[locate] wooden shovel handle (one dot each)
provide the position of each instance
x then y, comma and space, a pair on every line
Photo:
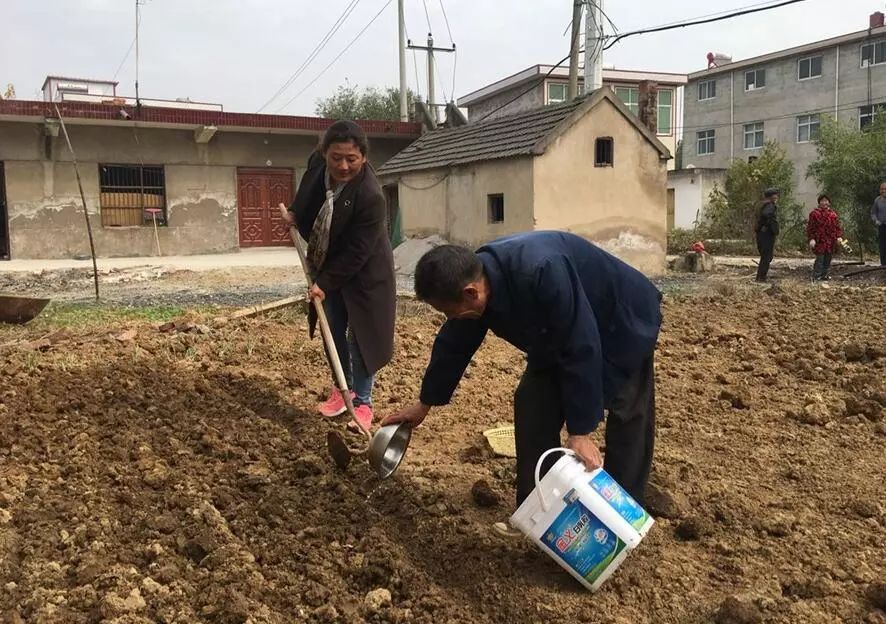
327, 335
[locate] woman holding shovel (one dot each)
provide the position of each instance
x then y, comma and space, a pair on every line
340, 210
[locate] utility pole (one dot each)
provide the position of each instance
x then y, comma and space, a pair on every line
430, 49
138, 103
573, 49
401, 23
594, 46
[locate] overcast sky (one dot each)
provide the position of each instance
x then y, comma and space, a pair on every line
240, 53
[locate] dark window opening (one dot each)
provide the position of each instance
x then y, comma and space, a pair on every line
603, 152
496, 205
132, 195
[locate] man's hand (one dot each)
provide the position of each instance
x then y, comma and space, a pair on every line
285, 214
812, 244
414, 415
315, 292
586, 450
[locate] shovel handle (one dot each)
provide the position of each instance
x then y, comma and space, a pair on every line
327, 335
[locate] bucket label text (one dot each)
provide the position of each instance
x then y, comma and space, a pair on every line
619, 500
582, 541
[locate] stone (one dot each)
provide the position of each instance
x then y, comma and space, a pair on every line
815, 414
735, 610
854, 352
377, 599
736, 398
484, 495
663, 504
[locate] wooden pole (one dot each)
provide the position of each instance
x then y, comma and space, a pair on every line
82, 199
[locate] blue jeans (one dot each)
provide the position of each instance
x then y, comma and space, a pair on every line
358, 378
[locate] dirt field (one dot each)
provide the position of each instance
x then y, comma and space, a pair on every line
181, 477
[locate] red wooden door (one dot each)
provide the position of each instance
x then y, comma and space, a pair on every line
259, 191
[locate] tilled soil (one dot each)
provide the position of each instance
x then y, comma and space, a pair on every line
182, 477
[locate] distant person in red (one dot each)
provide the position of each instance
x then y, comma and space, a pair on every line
823, 231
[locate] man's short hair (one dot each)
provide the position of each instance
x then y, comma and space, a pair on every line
443, 272
770, 192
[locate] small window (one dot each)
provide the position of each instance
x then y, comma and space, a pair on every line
630, 97
496, 206
707, 90
753, 135
807, 128
809, 67
754, 79
873, 53
557, 92
603, 152
132, 195
706, 142
868, 114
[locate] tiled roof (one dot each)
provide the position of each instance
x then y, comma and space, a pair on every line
522, 134
502, 137
194, 117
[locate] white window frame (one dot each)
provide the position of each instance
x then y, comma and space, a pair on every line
756, 72
549, 100
811, 59
699, 139
754, 131
631, 92
670, 116
711, 86
873, 45
812, 123
876, 109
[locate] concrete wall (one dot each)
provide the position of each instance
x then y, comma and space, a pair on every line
455, 203
622, 208
45, 213
692, 190
778, 105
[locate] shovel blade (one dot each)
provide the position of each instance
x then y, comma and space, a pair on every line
338, 450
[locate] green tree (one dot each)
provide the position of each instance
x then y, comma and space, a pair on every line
850, 165
351, 102
732, 209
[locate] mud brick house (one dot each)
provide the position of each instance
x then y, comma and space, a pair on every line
588, 166
211, 178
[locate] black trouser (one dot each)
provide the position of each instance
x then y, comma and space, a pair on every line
882, 233
630, 428
822, 266
766, 247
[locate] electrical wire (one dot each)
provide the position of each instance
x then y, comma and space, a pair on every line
452, 43
414, 64
427, 16
340, 54
615, 39
592, 4
125, 56
446, 19
317, 49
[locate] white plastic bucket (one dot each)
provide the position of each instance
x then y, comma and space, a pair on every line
584, 520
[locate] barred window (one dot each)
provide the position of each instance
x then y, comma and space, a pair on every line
130, 195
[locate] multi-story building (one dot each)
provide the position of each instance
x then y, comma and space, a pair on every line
732, 109
541, 85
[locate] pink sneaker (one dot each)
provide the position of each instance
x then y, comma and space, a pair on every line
363, 414
334, 405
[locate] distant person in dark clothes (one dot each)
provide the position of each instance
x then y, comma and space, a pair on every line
766, 229
878, 216
354, 272
588, 323
824, 233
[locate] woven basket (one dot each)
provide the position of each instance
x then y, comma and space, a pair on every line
501, 440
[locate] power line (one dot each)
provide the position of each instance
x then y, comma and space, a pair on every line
317, 49
427, 16
340, 54
724, 12
645, 31
125, 56
446, 19
814, 111
529, 88
592, 4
